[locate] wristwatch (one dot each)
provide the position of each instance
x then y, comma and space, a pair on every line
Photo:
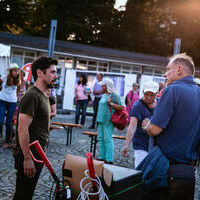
111, 103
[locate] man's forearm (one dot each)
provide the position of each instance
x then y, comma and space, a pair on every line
129, 135
24, 141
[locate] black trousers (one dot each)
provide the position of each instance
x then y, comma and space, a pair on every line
25, 186
95, 108
181, 185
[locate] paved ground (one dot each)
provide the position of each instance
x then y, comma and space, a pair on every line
56, 154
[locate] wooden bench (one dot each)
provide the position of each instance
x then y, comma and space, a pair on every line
55, 128
68, 127
93, 143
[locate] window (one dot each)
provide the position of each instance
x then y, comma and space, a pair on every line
103, 64
81, 64
136, 69
17, 59
69, 63
92, 63
101, 69
17, 52
28, 60
84, 62
126, 67
30, 54
158, 72
92, 68
148, 71
115, 68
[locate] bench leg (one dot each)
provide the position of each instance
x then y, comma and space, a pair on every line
70, 135
67, 132
93, 145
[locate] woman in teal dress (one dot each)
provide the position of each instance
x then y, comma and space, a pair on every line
109, 102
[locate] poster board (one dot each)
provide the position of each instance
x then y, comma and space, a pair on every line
122, 83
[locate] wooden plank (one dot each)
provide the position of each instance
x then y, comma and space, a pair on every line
55, 127
121, 137
66, 124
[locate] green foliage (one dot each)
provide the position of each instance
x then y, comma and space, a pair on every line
146, 26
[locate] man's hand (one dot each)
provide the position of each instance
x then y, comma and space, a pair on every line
125, 151
145, 123
29, 168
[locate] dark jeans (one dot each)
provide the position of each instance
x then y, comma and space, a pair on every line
95, 108
181, 186
25, 186
81, 105
10, 108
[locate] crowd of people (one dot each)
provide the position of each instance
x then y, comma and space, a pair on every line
155, 120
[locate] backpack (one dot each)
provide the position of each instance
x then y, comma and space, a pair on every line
126, 98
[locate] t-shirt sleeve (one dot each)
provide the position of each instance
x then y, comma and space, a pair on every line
29, 104
164, 109
135, 111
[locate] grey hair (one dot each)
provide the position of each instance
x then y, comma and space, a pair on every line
184, 60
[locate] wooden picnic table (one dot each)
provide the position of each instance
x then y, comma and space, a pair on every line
68, 127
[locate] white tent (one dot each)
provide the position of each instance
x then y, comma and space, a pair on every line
4, 58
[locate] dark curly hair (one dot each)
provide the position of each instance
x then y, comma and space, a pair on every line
42, 63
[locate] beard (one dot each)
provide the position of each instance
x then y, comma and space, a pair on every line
51, 85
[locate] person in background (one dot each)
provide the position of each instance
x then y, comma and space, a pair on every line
24, 85
52, 101
142, 109
98, 93
8, 101
81, 98
109, 102
21, 89
176, 126
161, 89
132, 97
33, 124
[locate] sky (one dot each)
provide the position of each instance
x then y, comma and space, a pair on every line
119, 3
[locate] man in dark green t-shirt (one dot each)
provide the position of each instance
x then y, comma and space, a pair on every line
33, 124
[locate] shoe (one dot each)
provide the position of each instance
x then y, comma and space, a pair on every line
108, 162
91, 127
5, 145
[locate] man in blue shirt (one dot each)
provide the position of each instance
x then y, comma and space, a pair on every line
142, 109
98, 93
176, 125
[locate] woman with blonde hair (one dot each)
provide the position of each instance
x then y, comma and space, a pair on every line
8, 100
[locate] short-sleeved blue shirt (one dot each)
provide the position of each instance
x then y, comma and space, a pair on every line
140, 139
178, 113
